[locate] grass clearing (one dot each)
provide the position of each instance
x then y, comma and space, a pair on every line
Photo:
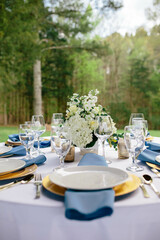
7, 130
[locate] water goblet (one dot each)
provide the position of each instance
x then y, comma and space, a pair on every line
61, 144
134, 139
57, 121
34, 151
138, 116
141, 122
103, 131
26, 136
144, 125
38, 126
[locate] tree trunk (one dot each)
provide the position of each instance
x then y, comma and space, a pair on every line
37, 84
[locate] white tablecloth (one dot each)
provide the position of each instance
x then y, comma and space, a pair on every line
22, 217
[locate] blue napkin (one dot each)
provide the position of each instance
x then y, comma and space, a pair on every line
89, 205
153, 146
16, 151
14, 137
149, 156
43, 144
38, 160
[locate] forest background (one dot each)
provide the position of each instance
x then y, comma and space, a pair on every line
48, 52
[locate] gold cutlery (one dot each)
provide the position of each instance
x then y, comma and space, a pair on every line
25, 180
155, 171
148, 180
145, 193
38, 183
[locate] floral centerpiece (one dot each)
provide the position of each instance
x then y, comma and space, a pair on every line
80, 119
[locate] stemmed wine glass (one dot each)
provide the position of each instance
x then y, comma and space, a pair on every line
26, 136
134, 138
61, 144
138, 116
104, 130
38, 126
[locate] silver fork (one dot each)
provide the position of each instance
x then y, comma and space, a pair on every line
38, 183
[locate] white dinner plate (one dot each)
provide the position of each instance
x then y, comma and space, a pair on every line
10, 164
88, 177
4, 149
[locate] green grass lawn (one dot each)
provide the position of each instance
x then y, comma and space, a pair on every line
154, 133
5, 131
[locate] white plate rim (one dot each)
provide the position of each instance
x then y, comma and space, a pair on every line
10, 141
92, 168
7, 149
11, 168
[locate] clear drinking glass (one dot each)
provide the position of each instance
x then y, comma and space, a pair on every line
133, 116
56, 124
33, 150
144, 125
103, 131
141, 122
134, 139
57, 121
26, 136
39, 127
61, 144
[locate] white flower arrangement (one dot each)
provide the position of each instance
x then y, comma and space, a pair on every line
80, 119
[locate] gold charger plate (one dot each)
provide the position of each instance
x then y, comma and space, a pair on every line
152, 165
129, 186
10, 143
20, 173
6, 156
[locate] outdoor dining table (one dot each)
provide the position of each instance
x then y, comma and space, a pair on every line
23, 217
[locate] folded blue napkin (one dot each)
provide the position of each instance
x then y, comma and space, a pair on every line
153, 146
43, 144
14, 137
38, 160
16, 151
89, 205
149, 156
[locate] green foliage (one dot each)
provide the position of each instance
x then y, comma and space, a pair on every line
113, 140
126, 70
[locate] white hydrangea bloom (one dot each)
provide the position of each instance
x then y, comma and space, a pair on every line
79, 131
81, 115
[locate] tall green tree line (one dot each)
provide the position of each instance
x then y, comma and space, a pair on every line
52, 45
32, 35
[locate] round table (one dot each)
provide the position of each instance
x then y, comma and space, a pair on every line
23, 217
